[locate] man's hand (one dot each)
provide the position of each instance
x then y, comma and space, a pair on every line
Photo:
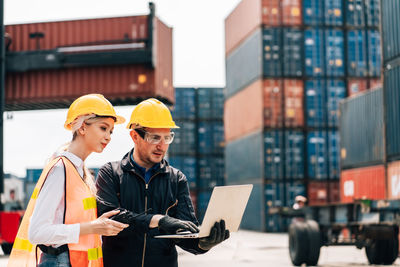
218, 234
171, 225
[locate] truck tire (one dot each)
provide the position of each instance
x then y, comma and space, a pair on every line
314, 241
391, 251
382, 251
298, 241
6, 247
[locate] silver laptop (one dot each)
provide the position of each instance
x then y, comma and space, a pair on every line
227, 203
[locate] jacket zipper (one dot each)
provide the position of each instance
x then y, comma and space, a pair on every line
170, 207
145, 209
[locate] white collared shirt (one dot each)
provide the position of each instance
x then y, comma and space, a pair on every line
46, 225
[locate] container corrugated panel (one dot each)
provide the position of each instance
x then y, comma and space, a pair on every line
334, 52
334, 154
185, 138
374, 53
294, 154
185, 104
187, 165
336, 91
254, 214
333, 13
317, 155
274, 197
375, 83
217, 104
33, 175
363, 183
204, 99
294, 188
114, 82
355, 86
357, 53
244, 64
218, 170
314, 60
249, 117
205, 177
372, 11
205, 143
334, 192
313, 12
292, 52
77, 32
322, 192
355, 13
272, 43
244, 158
393, 180
293, 102
392, 111
316, 102
291, 12
273, 146
273, 103
218, 143
390, 21
361, 129
247, 16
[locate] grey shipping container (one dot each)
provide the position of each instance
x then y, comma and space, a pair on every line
390, 29
392, 111
244, 159
361, 129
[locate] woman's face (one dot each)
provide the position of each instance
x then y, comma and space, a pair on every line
98, 134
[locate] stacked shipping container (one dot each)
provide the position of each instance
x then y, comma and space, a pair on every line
199, 142
286, 72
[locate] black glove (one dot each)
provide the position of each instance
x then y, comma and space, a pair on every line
171, 225
124, 216
218, 233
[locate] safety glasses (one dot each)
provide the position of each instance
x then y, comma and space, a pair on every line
154, 138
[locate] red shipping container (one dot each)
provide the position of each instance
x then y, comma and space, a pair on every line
273, 97
375, 83
363, 183
243, 112
334, 191
323, 192
294, 110
393, 180
291, 13
246, 17
355, 86
120, 83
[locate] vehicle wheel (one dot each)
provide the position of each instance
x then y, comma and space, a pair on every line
314, 239
382, 251
298, 241
391, 251
6, 247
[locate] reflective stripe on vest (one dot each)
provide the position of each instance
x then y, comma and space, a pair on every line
80, 207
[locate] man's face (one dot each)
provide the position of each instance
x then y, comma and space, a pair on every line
150, 154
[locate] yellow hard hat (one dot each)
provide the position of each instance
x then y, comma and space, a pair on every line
151, 113
91, 104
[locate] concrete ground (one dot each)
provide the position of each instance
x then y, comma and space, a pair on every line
254, 249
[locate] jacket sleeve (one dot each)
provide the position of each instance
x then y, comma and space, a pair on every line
185, 211
108, 198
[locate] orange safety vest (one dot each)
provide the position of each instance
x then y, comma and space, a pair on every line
80, 206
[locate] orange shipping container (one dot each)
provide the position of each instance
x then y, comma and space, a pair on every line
375, 83
293, 93
273, 97
246, 17
291, 12
323, 192
355, 86
363, 183
393, 180
122, 83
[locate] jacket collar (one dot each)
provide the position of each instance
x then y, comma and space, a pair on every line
127, 164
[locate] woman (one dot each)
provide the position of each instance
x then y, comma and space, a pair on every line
61, 217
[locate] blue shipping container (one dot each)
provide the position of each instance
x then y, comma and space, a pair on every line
273, 145
33, 175
355, 13
317, 155
203, 198
185, 104
253, 217
390, 33
374, 53
334, 154
294, 188
187, 165
274, 197
316, 103
294, 154
204, 96
218, 137
272, 63
357, 53
217, 106
334, 52
336, 91
333, 13
292, 52
185, 138
313, 12
372, 10
205, 137
206, 180
314, 52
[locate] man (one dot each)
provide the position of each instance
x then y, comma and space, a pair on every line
13, 204
153, 196
299, 202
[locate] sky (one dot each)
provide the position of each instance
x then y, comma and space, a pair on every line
30, 137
